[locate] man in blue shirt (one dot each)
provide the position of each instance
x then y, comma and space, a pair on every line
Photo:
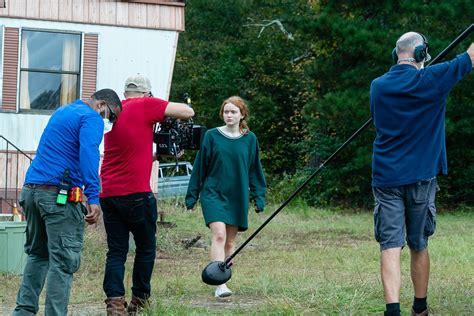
68, 153
408, 106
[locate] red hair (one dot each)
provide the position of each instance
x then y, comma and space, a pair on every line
244, 111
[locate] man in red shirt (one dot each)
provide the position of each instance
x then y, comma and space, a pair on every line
127, 202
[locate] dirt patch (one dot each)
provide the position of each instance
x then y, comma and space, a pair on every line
227, 303
93, 309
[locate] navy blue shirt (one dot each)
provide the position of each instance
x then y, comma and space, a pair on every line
70, 141
408, 108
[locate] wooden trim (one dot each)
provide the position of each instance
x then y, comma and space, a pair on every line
177, 3
10, 68
141, 14
89, 64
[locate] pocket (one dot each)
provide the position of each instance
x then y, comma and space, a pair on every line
151, 207
377, 222
70, 253
133, 208
47, 203
430, 224
421, 191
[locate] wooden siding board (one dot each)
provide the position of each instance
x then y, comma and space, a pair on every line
137, 15
10, 68
17, 7
32, 9
65, 9
49, 10
80, 9
94, 11
108, 12
167, 20
153, 16
122, 13
155, 2
179, 16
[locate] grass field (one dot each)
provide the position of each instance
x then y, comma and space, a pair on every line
307, 261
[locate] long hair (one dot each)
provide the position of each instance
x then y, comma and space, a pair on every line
244, 110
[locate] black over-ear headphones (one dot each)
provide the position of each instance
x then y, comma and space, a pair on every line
420, 54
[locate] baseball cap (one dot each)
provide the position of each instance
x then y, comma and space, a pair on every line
137, 83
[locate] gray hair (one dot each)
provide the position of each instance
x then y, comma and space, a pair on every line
407, 42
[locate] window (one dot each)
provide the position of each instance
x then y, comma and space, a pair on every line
49, 69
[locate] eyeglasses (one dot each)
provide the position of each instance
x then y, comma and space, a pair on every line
112, 115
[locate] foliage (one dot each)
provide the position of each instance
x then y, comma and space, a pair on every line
307, 82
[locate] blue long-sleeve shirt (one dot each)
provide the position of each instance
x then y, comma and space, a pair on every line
408, 108
71, 141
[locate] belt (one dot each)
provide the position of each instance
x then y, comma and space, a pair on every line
44, 187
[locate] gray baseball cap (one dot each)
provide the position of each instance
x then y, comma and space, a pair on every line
137, 83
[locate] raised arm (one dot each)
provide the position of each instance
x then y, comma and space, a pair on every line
179, 110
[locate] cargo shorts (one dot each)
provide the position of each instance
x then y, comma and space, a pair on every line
405, 212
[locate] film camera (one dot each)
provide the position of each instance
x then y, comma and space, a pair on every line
174, 135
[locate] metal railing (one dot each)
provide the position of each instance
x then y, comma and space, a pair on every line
11, 180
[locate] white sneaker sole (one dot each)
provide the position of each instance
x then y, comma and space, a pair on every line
223, 294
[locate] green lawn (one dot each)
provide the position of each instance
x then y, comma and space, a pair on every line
306, 261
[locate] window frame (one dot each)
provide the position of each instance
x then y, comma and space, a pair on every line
47, 71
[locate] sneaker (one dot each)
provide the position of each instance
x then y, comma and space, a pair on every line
222, 291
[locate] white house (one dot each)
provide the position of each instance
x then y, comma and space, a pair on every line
55, 51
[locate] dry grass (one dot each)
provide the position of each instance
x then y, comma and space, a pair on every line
306, 261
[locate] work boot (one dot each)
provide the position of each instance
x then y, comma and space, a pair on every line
136, 305
116, 306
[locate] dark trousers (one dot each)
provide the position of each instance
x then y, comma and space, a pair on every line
135, 213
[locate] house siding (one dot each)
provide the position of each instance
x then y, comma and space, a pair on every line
164, 15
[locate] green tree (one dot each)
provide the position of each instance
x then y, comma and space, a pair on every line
305, 66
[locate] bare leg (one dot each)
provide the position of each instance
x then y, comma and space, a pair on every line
391, 274
218, 230
420, 272
231, 232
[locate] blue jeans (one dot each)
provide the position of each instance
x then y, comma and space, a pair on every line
135, 213
54, 239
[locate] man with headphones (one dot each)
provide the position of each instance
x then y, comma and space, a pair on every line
127, 201
408, 106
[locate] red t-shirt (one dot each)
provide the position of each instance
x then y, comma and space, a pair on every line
128, 147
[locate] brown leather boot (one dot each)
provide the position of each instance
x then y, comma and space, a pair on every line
116, 306
136, 304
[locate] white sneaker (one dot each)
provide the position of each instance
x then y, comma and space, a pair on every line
222, 291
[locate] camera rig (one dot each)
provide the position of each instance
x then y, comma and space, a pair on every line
174, 135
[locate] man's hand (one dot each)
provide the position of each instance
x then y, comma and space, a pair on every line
93, 213
470, 51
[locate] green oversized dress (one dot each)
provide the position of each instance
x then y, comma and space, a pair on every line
226, 171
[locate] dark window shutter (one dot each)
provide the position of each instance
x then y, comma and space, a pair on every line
10, 68
89, 66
